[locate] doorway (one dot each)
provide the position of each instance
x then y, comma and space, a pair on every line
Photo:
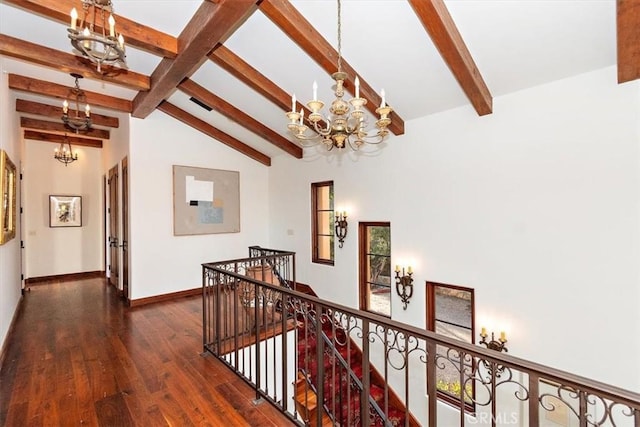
125, 231
113, 227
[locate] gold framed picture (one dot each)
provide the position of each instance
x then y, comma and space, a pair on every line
8, 185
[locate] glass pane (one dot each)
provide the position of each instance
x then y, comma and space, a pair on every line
325, 223
448, 374
325, 198
325, 247
379, 239
453, 306
379, 269
462, 334
379, 299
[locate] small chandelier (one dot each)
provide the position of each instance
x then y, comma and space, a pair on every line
345, 126
64, 154
76, 122
97, 46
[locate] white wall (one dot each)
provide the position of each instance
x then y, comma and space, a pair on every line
161, 262
536, 207
62, 250
10, 283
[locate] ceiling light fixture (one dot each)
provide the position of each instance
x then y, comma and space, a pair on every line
344, 126
77, 95
99, 47
64, 154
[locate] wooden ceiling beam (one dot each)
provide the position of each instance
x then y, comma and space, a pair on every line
29, 123
211, 24
283, 14
31, 107
244, 72
135, 34
628, 34
439, 25
41, 87
59, 139
213, 132
193, 89
68, 63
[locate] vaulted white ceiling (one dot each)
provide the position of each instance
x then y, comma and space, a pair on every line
516, 44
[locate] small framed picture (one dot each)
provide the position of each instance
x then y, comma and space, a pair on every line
65, 211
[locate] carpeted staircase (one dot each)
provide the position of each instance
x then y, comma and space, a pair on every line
342, 380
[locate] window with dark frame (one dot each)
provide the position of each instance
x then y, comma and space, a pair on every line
375, 267
322, 233
450, 312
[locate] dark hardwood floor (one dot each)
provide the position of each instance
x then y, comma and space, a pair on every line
77, 356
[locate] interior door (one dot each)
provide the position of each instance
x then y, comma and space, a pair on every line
113, 227
125, 229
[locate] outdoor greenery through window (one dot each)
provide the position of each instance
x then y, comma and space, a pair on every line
322, 249
375, 267
450, 312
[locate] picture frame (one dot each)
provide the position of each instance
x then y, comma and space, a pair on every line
65, 211
205, 201
8, 179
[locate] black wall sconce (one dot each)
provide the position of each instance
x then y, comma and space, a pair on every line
341, 227
496, 345
404, 285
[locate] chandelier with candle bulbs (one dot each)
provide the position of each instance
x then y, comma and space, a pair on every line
347, 123
64, 153
77, 121
91, 39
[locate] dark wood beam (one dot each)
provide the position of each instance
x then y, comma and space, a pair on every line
292, 23
244, 72
628, 22
29, 123
211, 24
439, 25
193, 89
58, 139
31, 107
68, 63
41, 87
213, 132
135, 34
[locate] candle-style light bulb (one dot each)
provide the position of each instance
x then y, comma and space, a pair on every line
357, 94
87, 110
301, 116
293, 102
74, 18
65, 106
121, 41
315, 90
383, 102
86, 33
112, 26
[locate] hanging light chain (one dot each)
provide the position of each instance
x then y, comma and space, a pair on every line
339, 36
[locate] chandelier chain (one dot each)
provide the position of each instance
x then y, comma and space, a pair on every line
339, 36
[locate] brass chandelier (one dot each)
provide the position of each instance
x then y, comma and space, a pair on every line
64, 153
98, 46
347, 123
77, 121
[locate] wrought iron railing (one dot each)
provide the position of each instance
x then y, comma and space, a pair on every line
260, 329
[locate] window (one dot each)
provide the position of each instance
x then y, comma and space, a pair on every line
375, 267
322, 222
450, 312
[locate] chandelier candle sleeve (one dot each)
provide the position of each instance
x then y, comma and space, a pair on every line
74, 18
112, 26
357, 94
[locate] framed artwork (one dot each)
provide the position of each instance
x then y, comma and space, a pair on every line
205, 201
65, 211
8, 178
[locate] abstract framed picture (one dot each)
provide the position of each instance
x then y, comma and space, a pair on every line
65, 211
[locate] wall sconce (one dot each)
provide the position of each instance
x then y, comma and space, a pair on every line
404, 285
341, 227
496, 345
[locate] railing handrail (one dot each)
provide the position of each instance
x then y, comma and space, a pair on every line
625, 396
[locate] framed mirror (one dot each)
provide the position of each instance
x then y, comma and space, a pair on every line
8, 180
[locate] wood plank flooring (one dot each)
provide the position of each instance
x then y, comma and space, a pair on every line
77, 356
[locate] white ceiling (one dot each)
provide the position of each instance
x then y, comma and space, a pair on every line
516, 44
